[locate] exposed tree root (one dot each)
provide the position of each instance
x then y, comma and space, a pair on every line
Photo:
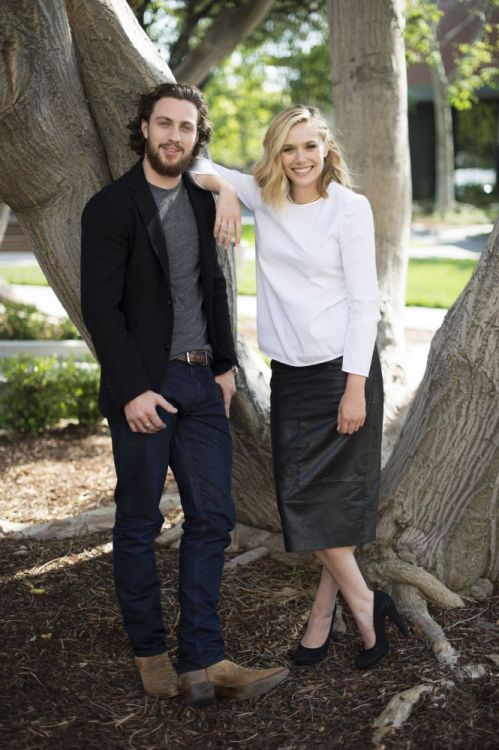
472, 671
414, 607
98, 519
249, 537
400, 707
247, 557
169, 536
402, 572
88, 522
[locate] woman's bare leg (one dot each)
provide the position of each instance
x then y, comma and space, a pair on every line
321, 613
342, 565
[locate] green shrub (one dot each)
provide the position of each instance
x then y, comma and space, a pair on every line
37, 392
25, 322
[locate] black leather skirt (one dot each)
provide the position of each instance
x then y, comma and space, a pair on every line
327, 484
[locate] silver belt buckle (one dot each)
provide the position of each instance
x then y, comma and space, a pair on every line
188, 355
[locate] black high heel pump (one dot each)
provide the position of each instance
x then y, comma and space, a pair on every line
305, 657
384, 606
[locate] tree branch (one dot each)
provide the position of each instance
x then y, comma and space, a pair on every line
483, 16
228, 29
181, 47
101, 32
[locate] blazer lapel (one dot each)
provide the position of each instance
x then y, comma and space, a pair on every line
144, 201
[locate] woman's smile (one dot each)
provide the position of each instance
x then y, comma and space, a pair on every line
302, 159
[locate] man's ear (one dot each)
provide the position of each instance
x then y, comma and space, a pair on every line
144, 126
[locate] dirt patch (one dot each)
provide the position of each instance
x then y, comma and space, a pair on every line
68, 679
57, 474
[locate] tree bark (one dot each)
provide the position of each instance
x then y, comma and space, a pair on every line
4, 220
444, 137
370, 118
440, 487
52, 159
227, 30
48, 177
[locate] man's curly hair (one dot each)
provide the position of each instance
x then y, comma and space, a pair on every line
145, 106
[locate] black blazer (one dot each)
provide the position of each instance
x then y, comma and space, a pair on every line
125, 288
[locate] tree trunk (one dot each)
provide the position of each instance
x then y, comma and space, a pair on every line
440, 486
370, 116
48, 175
52, 159
444, 140
437, 530
4, 220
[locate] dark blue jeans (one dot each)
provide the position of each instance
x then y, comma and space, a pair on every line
197, 445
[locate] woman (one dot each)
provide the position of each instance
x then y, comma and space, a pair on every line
317, 314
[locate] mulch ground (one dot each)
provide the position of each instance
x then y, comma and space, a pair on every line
67, 679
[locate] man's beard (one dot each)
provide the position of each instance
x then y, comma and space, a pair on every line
167, 170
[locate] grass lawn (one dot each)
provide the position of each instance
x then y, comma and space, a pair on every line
430, 282
248, 234
30, 275
437, 282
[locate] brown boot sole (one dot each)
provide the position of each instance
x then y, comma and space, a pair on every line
252, 690
200, 695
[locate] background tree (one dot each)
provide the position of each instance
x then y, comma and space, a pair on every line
437, 532
281, 61
370, 101
473, 68
206, 30
4, 220
241, 107
62, 110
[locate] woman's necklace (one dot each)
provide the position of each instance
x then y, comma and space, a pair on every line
303, 203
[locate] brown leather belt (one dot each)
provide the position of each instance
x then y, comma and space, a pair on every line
196, 357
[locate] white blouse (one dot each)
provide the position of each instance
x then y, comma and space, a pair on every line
317, 292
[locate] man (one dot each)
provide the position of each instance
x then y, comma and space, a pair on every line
154, 301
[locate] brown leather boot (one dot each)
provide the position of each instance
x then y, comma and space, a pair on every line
228, 680
157, 675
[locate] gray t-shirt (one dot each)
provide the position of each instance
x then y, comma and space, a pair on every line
181, 235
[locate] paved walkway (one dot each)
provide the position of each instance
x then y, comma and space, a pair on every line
464, 242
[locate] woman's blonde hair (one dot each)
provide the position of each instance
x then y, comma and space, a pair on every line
268, 170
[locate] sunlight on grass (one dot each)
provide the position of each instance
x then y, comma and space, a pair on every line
437, 282
430, 282
30, 275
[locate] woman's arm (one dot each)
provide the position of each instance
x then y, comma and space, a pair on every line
228, 217
356, 237
352, 406
214, 177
